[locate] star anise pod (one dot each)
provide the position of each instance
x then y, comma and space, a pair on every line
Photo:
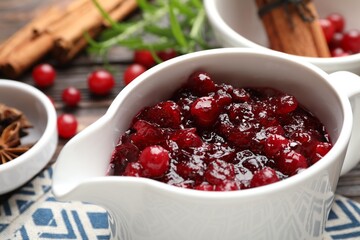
9, 115
12, 122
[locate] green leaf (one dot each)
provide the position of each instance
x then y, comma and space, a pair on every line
145, 6
175, 26
161, 24
159, 31
197, 3
104, 14
184, 8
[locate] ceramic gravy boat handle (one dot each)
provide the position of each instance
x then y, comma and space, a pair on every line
349, 83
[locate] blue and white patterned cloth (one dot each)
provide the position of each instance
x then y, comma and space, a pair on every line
33, 213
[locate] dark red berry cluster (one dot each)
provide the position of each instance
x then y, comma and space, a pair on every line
217, 137
341, 42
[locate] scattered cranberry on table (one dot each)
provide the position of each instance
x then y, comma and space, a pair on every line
71, 96
100, 82
144, 57
133, 71
67, 125
43, 75
143, 60
167, 54
217, 137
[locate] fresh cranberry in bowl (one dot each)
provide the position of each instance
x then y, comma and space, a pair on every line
337, 20
351, 41
230, 22
328, 29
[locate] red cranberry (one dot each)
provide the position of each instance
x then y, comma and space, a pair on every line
222, 98
165, 114
240, 112
286, 104
144, 58
67, 125
155, 161
167, 54
204, 186
192, 168
337, 21
186, 138
351, 41
44, 75
338, 52
219, 151
242, 135
205, 111
320, 151
227, 185
201, 83
133, 169
218, 171
302, 137
263, 177
328, 29
132, 72
71, 96
146, 134
275, 144
291, 162
336, 41
225, 126
275, 129
240, 95
100, 82
124, 153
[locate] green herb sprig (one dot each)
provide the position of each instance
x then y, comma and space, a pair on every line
163, 24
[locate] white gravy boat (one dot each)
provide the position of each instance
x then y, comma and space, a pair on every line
140, 208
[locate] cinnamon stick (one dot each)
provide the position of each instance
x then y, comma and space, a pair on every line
26, 55
64, 55
68, 42
14, 41
288, 32
60, 30
40, 24
24, 48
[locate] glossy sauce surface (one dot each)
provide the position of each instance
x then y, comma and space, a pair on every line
216, 137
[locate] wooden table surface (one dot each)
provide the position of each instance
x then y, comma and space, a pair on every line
14, 14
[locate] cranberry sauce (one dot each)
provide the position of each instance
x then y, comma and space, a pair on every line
216, 137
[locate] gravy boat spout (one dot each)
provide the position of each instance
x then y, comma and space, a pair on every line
145, 209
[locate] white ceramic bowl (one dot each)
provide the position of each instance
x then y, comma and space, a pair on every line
41, 113
236, 24
145, 209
